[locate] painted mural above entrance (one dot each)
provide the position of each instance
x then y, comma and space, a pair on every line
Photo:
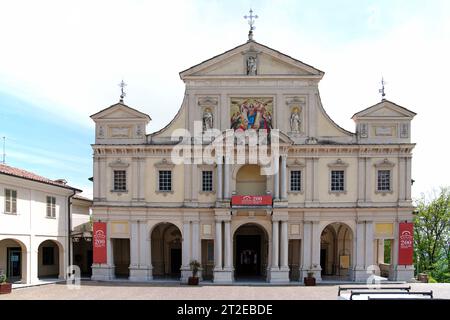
251, 113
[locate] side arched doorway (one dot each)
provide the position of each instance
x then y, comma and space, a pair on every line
166, 251
50, 260
13, 260
336, 251
251, 249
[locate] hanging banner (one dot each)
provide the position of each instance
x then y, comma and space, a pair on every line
405, 243
99, 242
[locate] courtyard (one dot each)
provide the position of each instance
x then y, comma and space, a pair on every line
93, 290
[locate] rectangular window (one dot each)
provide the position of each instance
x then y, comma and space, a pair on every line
207, 183
384, 180
337, 180
48, 256
296, 180
51, 207
120, 180
165, 180
10, 201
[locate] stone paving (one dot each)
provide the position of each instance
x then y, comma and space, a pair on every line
91, 290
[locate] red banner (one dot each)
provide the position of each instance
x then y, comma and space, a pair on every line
265, 200
405, 243
99, 242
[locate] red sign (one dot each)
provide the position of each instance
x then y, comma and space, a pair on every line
405, 243
99, 242
251, 200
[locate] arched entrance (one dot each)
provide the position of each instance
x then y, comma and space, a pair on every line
50, 260
13, 260
251, 248
249, 181
166, 251
336, 248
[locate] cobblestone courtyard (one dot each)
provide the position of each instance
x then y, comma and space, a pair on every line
91, 290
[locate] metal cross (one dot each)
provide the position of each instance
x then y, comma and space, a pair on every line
251, 20
383, 93
122, 85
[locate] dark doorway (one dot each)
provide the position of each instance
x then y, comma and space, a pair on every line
14, 267
323, 259
121, 253
248, 255
175, 262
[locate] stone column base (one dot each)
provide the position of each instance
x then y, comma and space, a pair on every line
141, 273
223, 276
279, 275
186, 272
102, 272
403, 273
360, 274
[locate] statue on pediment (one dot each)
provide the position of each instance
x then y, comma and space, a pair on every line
208, 119
296, 120
251, 66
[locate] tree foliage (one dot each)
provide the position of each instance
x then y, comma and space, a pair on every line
432, 235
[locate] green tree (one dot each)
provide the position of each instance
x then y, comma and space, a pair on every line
432, 235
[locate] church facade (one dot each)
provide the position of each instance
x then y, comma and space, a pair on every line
253, 180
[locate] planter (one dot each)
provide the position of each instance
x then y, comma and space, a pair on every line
193, 281
423, 277
309, 281
5, 288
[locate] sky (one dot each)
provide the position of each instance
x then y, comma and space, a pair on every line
61, 61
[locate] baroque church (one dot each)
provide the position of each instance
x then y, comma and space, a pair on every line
332, 207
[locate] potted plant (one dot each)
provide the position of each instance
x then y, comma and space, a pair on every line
195, 266
5, 287
310, 280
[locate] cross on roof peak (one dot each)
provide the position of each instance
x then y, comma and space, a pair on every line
251, 21
122, 85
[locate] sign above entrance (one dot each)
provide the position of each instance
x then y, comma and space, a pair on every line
405, 243
99, 244
265, 200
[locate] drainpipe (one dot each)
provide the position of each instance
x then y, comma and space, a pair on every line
69, 225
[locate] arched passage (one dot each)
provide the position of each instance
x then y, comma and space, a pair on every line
166, 251
13, 260
336, 251
50, 260
249, 180
251, 250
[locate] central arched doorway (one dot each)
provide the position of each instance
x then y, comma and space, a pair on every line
166, 251
250, 181
336, 248
50, 260
251, 248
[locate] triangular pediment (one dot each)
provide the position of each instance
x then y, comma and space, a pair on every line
120, 111
269, 63
385, 110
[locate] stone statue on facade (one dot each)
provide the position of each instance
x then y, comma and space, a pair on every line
208, 119
296, 121
251, 66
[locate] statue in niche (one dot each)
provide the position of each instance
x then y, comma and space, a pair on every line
251, 66
208, 119
296, 120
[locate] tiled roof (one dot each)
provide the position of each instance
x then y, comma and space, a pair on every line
20, 173
77, 196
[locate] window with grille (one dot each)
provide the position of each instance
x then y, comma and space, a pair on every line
165, 180
120, 180
384, 180
51, 207
337, 180
207, 181
296, 180
10, 201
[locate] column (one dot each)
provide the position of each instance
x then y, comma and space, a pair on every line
219, 179
96, 178
309, 180
380, 251
361, 179
218, 246
369, 244
103, 179
228, 245
283, 178
315, 179
275, 245
284, 246
306, 244
196, 241
359, 270
408, 179
186, 252
226, 187
369, 188
276, 179
134, 185
315, 254
401, 179
134, 244
145, 258
141, 184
